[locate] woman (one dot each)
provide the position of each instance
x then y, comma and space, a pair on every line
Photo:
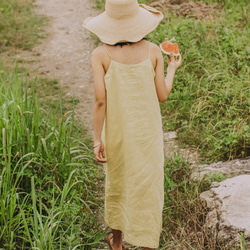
129, 83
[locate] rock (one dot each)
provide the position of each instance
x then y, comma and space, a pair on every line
170, 135
172, 148
229, 168
228, 204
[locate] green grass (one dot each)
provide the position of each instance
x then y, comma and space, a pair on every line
210, 101
209, 105
184, 214
48, 188
49, 182
100, 4
19, 27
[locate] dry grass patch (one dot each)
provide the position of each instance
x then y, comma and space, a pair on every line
19, 27
197, 10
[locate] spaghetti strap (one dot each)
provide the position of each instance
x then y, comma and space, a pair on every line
106, 50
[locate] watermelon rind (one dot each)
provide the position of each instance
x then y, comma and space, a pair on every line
168, 53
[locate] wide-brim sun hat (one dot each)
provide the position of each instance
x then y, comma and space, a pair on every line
123, 21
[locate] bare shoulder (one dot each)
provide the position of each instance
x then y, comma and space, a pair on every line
155, 55
155, 50
98, 53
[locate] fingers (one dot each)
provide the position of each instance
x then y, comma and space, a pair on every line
172, 56
103, 154
100, 158
168, 60
100, 153
180, 59
174, 60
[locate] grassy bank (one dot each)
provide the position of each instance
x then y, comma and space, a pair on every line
19, 27
209, 104
209, 107
48, 178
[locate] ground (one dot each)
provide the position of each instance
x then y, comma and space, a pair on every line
65, 52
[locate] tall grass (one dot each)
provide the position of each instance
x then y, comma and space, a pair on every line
48, 190
48, 178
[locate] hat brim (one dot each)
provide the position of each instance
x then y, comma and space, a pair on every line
112, 31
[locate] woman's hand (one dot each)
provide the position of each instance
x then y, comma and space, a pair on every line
173, 62
100, 153
164, 84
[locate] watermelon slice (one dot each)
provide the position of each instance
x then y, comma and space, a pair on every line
167, 47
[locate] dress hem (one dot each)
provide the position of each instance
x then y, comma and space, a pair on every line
134, 242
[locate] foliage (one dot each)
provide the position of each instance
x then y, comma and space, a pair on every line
48, 188
216, 177
242, 241
48, 178
100, 4
209, 103
184, 214
19, 27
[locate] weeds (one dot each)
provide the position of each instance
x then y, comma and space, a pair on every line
242, 241
48, 179
184, 214
209, 104
19, 27
48, 190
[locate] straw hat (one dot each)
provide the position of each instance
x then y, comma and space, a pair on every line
123, 21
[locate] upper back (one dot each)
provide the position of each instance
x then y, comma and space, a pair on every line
129, 54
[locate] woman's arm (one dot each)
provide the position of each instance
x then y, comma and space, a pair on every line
100, 103
164, 84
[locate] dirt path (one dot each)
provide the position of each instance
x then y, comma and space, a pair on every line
65, 52
65, 55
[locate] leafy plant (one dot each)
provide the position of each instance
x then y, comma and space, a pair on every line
48, 188
209, 104
184, 214
242, 241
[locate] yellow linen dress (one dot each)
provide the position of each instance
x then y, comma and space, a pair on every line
133, 141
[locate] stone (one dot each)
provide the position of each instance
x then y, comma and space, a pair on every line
228, 205
170, 135
229, 168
